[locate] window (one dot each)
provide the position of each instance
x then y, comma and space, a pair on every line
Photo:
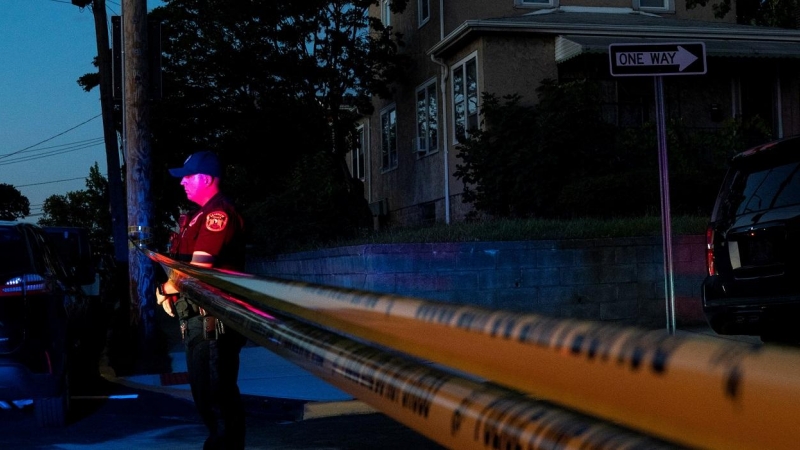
655, 5
537, 3
427, 119
423, 11
386, 12
465, 97
389, 138
359, 150
770, 188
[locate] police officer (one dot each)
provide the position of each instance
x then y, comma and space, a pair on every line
213, 237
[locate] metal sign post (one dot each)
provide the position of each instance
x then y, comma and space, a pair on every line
658, 60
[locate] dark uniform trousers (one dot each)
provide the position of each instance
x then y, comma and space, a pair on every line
213, 366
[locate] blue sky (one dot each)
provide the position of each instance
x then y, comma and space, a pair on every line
50, 129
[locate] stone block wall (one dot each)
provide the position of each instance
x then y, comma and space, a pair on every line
614, 280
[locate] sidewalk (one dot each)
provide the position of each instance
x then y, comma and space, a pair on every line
262, 374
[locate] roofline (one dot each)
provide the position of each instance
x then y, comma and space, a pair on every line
742, 32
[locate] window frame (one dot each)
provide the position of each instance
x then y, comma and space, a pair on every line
431, 133
462, 65
386, 13
422, 20
667, 6
389, 156
536, 3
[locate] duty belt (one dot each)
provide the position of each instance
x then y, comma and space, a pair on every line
212, 327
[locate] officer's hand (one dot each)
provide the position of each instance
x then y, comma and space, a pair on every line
166, 302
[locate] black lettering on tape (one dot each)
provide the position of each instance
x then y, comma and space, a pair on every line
539, 332
441, 314
420, 389
561, 430
577, 343
445, 315
732, 381
347, 296
491, 422
504, 325
465, 320
730, 357
460, 411
468, 319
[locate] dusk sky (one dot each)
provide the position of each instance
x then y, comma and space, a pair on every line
50, 128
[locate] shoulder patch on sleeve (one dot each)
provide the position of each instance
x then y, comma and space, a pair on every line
216, 221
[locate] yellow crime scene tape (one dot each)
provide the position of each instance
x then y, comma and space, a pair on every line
451, 409
454, 411
695, 391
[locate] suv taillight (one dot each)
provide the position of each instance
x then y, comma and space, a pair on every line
23, 285
710, 251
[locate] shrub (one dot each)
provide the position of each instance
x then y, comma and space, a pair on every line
561, 160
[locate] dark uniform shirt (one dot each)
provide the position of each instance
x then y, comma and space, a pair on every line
212, 351
217, 229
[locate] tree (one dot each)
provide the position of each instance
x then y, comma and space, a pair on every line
523, 163
86, 209
13, 205
269, 81
517, 165
771, 13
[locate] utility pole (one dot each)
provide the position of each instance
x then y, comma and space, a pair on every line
137, 148
116, 191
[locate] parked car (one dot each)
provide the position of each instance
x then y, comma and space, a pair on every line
753, 240
75, 250
41, 305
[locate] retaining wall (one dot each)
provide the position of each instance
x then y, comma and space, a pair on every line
615, 280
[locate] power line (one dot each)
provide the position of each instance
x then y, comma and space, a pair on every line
49, 139
51, 182
111, 10
93, 140
55, 150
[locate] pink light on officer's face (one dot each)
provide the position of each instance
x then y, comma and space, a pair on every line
192, 185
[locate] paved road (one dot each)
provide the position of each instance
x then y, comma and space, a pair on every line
156, 421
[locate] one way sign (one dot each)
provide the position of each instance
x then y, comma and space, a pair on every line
630, 60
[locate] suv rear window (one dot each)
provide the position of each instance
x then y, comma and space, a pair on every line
759, 190
12, 247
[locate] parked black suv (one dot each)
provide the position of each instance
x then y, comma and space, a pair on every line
41, 306
753, 282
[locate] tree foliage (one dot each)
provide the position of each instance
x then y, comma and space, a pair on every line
516, 165
87, 208
771, 13
269, 86
315, 205
13, 205
525, 162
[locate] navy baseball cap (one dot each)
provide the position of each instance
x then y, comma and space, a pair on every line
204, 162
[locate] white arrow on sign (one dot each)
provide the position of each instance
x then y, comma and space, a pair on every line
682, 58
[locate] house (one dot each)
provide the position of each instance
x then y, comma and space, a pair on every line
408, 149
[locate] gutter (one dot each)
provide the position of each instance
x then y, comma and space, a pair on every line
470, 27
443, 102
